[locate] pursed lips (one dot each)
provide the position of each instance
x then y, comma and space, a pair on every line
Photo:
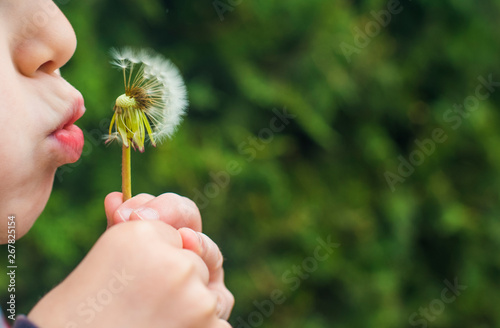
69, 137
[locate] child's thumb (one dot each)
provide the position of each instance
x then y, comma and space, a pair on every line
111, 204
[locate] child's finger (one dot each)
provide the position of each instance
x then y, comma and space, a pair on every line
122, 213
190, 240
202, 245
225, 301
172, 209
111, 204
209, 252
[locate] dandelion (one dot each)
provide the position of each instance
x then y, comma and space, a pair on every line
152, 106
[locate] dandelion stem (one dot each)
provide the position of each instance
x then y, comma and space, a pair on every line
126, 175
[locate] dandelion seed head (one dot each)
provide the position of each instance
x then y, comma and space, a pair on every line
154, 101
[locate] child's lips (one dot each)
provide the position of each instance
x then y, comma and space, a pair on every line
71, 140
70, 137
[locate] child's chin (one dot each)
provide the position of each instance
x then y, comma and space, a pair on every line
29, 208
24, 225
22, 228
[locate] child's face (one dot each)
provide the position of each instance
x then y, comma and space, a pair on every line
37, 108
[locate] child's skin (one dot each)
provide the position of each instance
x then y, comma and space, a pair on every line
160, 269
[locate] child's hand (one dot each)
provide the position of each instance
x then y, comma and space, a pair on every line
143, 274
182, 214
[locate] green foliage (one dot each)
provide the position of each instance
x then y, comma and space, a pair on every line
323, 175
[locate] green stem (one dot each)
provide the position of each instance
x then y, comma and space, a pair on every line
126, 175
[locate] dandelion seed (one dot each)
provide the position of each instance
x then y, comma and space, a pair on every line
153, 104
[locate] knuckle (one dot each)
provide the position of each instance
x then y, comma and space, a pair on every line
169, 195
212, 253
226, 303
188, 213
207, 305
190, 203
143, 194
184, 269
219, 261
229, 298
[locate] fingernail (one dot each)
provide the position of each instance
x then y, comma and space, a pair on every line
201, 241
146, 213
125, 214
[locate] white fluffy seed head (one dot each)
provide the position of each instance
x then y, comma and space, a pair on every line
162, 82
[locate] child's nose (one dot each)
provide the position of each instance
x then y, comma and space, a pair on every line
46, 40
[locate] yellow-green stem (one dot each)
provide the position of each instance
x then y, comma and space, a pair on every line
126, 175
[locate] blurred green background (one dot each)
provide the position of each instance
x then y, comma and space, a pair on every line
366, 88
